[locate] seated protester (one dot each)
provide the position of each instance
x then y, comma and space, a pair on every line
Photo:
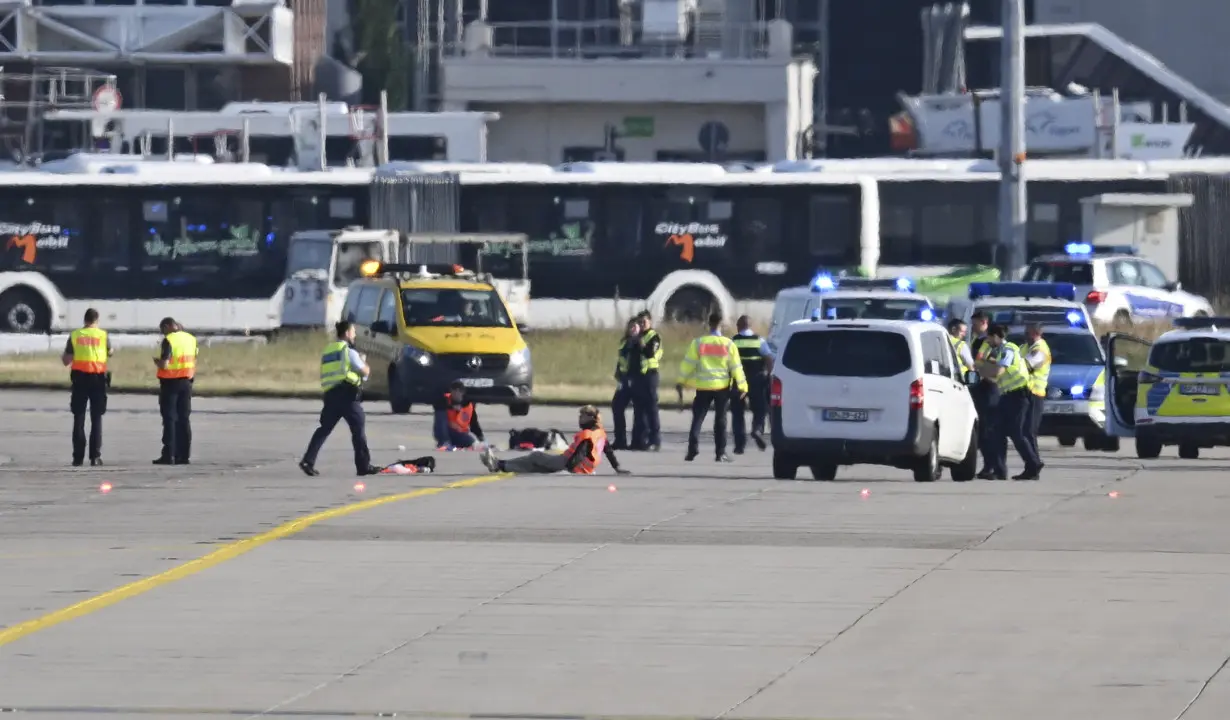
582, 456
456, 421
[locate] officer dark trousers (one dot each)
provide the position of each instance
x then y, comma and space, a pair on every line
646, 406
1037, 404
719, 400
1014, 424
986, 402
175, 404
89, 390
757, 401
341, 403
620, 401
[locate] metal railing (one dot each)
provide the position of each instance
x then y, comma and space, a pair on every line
620, 39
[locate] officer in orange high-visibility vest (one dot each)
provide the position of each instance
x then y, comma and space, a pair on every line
86, 355
176, 365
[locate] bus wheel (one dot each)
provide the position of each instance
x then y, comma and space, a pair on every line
23, 311
690, 305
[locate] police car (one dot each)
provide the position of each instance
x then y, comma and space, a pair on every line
1116, 285
1075, 404
1173, 391
841, 298
1047, 303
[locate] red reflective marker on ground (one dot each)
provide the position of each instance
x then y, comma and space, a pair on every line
359, 487
104, 488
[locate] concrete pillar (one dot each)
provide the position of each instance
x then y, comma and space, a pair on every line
778, 140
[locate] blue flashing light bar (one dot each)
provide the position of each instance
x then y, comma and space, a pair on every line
1085, 249
1202, 323
1075, 318
926, 315
1078, 391
1050, 291
825, 282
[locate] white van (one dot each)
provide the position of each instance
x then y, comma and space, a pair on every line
871, 392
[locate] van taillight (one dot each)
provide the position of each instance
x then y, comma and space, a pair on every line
775, 392
1095, 296
916, 394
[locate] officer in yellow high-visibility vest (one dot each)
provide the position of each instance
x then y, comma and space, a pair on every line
86, 355
1005, 366
712, 366
645, 388
1038, 360
342, 372
176, 363
956, 335
627, 367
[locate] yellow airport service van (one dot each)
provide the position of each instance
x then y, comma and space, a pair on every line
425, 326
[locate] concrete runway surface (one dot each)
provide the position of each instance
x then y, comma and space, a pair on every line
690, 591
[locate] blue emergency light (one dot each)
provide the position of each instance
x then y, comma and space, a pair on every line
1078, 391
815, 314
1075, 317
1202, 323
825, 282
1084, 249
822, 283
1028, 290
926, 315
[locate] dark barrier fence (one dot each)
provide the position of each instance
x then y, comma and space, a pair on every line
414, 202
1204, 234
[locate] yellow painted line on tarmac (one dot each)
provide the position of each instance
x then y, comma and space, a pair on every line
221, 555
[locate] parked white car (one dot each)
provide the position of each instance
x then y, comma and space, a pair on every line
871, 392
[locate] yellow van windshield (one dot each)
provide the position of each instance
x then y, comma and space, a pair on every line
448, 307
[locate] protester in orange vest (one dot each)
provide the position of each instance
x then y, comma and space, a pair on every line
86, 356
582, 456
456, 420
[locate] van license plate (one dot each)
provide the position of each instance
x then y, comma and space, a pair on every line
478, 382
1060, 408
1191, 389
846, 415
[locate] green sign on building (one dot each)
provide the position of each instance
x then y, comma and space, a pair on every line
638, 126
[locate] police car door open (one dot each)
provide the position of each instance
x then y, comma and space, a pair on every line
1126, 357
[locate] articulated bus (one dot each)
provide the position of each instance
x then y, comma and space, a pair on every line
208, 244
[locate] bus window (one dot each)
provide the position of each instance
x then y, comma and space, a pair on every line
759, 229
41, 234
111, 246
946, 234
835, 227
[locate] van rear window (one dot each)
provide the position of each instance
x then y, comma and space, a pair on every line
847, 353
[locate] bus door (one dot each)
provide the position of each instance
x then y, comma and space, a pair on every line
754, 259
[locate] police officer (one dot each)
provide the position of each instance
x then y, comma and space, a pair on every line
1005, 364
712, 366
986, 400
342, 372
956, 335
627, 367
1038, 359
86, 355
645, 387
176, 365
756, 359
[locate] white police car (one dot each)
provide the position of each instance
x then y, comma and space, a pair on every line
1116, 285
1046, 303
841, 298
874, 392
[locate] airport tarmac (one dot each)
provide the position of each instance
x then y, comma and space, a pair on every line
237, 587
